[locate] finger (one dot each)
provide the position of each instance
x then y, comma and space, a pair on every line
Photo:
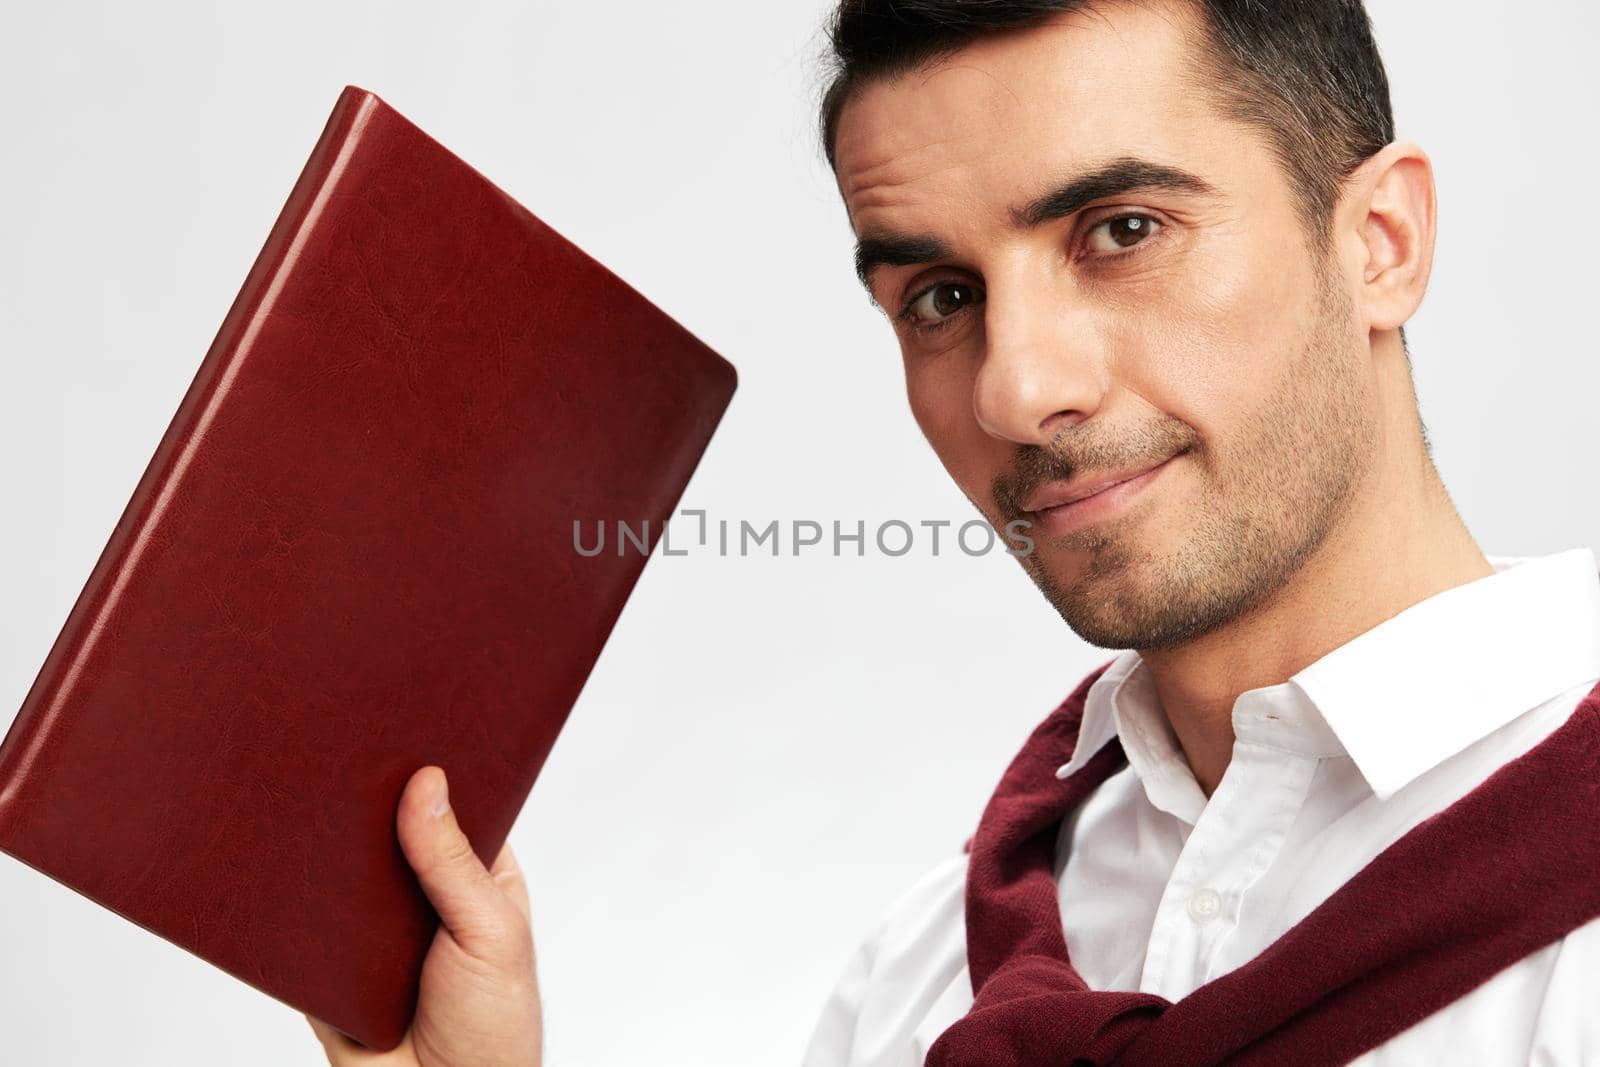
507, 874
341, 1051
469, 903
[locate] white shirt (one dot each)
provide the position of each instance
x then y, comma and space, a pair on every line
1163, 890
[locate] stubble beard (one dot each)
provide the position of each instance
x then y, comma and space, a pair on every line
1271, 502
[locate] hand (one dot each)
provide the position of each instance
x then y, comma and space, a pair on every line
479, 999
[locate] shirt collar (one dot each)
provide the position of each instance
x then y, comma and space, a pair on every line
1400, 698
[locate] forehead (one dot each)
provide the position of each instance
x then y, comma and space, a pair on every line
989, 123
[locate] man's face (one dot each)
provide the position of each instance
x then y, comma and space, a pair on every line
1163, 312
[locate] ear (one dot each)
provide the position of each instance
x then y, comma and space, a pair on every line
1388, 218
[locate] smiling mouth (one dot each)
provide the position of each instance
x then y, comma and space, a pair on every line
1065, 509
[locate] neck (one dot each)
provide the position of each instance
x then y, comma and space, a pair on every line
1401, 542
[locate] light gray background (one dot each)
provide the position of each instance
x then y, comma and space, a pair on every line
769, 750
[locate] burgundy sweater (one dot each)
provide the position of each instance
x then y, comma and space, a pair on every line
1509, 868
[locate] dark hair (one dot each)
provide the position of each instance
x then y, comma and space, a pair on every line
1306, 72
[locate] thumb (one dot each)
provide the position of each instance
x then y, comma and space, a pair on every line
458, 885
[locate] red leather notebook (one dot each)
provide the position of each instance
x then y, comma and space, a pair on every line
353, 555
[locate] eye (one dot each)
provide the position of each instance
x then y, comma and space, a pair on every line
934, 306
1121, 232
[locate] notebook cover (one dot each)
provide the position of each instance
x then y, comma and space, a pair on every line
352, 555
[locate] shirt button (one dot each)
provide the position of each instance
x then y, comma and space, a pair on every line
1205, 905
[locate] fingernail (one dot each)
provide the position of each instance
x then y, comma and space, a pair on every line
441, 799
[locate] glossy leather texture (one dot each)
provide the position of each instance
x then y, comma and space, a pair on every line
353, 555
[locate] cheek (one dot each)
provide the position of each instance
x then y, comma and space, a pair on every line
940, 396
1217, 341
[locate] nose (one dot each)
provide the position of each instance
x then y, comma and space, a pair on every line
1043, 368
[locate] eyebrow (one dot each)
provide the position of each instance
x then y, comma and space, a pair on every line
1126, 175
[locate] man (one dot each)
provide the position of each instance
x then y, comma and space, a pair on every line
1148, 262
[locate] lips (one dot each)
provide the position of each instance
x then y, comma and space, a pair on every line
1057, 494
